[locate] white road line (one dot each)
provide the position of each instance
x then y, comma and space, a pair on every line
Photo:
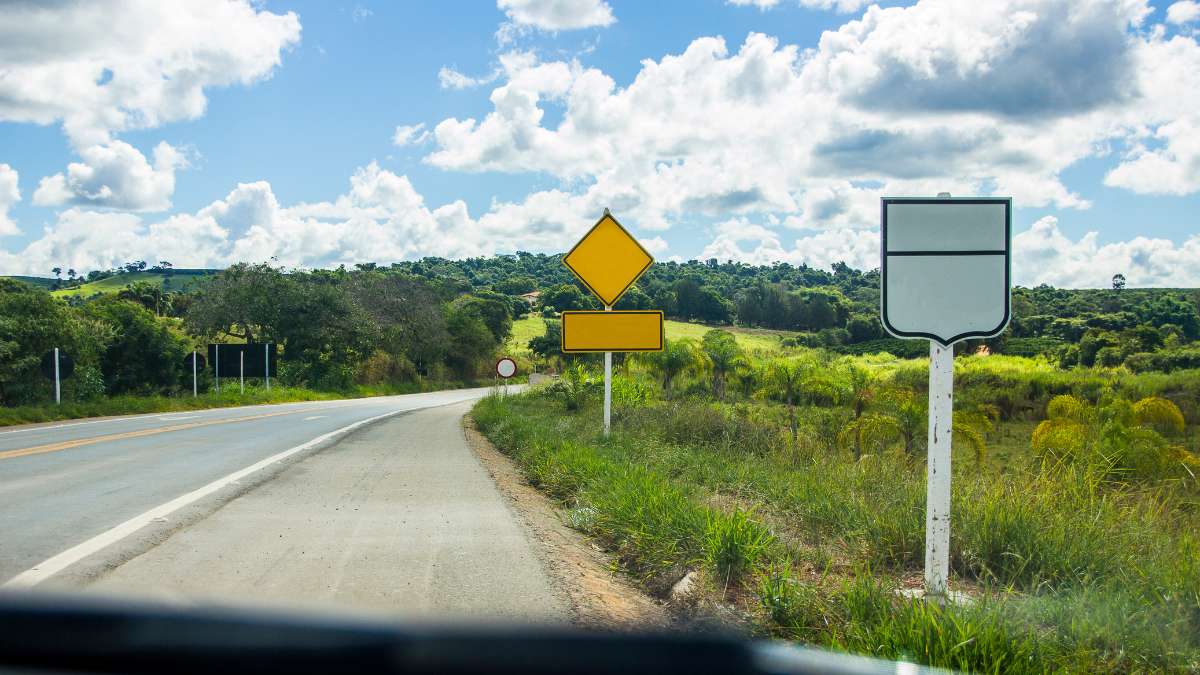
51, 566
315, 417
178, 417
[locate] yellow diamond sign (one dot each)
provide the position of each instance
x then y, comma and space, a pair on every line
608, 260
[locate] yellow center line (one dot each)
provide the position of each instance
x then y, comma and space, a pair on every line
65, 445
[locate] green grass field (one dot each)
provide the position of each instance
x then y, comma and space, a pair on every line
752, 339
177, 281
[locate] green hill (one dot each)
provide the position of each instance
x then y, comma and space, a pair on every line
43, 282
177, 280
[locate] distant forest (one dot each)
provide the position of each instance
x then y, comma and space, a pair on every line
437, 320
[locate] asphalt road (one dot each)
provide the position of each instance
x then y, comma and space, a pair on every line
288, 499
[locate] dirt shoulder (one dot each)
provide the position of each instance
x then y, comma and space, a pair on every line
599, 596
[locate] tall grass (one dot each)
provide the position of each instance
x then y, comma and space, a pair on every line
1069, 572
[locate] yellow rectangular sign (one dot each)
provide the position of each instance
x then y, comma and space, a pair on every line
616, 331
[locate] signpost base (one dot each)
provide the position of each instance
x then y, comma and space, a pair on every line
937, 505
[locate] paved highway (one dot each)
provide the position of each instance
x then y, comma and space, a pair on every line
74, 491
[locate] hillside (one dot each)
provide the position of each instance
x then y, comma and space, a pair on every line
177, 280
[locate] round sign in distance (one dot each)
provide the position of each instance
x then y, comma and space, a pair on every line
200, 361
506, 367
66, 365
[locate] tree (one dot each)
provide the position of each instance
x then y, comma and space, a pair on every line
677, 357
1118, 282
725, 357
242, 301
564, 297
470, 338
148, 295
144, 356
549, 344
57, 271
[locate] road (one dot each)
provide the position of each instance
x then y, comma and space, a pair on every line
339, 501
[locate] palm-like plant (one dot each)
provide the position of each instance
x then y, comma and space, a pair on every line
861, 389
784, 379
725, 357
677, 357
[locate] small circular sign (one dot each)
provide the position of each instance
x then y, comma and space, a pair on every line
200, 361
66, 365
506, 368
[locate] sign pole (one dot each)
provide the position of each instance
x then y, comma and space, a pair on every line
242, 370
57, 387
937, 501
217, 365
195, 386
267, 365
607, 386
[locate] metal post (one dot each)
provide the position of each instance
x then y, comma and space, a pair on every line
937, 501
607, 386
267, 365
57, 387
217, 365
195, 387
242, 369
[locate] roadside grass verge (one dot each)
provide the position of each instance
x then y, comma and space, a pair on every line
1067, 573
228, 397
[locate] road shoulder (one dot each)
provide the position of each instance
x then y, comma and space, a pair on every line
599, 596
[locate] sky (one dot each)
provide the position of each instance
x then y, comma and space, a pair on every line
313, 134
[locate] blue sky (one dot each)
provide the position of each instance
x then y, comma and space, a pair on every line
274, 136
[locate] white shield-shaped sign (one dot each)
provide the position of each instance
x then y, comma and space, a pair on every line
945, 268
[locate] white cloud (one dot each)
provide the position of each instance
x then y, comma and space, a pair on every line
743, 241
9, 195
413, 134
360, 13
1184, 11
1043, 254
115, 176
450, 78
555, 15
839, 5
112, 65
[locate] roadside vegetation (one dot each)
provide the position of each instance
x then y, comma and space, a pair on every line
791, 483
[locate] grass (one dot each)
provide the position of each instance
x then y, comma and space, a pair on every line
176, 281
1068, 573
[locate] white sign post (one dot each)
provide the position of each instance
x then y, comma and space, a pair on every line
57, 380
267, 365
242, 371
195, 387
944, 277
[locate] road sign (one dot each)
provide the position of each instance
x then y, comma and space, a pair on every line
608, 260
944, 276
612, 331
945, 267
506, 367
257, 359
200, 361
66, 365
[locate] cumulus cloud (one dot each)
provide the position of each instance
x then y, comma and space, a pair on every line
1043, 254
381, 217
743, 241
9, 195
1184, 11
555, 15
115, 175
112, 65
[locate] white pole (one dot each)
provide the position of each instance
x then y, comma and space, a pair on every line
217, 365
267, 365
195, 387
57, 388
242, 369
607, 386
937, 505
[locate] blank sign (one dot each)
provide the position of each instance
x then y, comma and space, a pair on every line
945, 267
